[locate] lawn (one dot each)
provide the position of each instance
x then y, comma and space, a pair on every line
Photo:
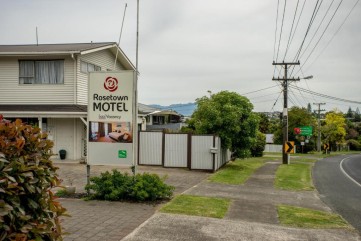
237, 172
295, 176
197, 206
308, 218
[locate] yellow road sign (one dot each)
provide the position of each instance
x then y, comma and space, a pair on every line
289, 147
326, 146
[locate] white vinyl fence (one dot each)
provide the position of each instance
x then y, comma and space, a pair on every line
273, 148
201, 152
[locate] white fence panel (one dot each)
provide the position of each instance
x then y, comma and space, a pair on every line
201, 154
273, 148
176, 150
150, 148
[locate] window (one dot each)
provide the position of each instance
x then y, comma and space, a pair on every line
87, 67
158, 120
41, 71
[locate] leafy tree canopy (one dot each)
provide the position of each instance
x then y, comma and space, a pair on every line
230, 116
334, 129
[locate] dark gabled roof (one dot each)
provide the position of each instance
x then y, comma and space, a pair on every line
43, 108
71, 47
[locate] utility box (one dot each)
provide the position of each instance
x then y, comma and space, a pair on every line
62, 154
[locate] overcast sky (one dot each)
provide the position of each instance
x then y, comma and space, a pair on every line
187, 47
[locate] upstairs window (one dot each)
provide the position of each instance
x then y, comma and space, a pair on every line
87, 67
41, 71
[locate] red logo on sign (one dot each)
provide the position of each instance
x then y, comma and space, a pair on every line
297, 130
111, 84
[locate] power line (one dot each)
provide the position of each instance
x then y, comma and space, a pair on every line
337, 31
322, 34
314, 13
317, 29
325, 96
279, 40
260, 90
289, 38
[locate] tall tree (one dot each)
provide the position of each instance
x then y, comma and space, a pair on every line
334, 131
357, 115
230, 116
264, 123
309, 108
349, 113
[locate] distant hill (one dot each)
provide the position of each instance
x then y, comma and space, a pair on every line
184, 109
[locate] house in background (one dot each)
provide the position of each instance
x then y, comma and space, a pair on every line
157, 119
47, 85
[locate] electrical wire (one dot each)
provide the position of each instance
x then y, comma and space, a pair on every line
289, 38
308, 45
337, 31
322, 34
279, 40
259, 90
325, 96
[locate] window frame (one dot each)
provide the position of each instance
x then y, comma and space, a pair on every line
34, 76
96, 67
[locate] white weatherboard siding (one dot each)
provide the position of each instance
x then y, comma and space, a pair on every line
11, 92
104, 59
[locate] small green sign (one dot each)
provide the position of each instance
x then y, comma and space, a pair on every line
122, 154
306, 130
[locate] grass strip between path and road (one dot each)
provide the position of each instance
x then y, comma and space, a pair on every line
197, 206
237, 172
295, 177
308, 218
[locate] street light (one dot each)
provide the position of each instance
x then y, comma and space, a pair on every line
308, 77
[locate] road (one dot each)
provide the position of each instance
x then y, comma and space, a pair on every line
338, 180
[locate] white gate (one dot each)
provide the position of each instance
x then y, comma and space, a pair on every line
150, 148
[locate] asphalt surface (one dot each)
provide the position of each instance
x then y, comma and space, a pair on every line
337, 189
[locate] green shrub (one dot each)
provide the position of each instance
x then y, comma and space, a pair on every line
28, 210
117, 186
258, 147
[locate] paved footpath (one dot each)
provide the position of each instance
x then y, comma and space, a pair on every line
252, 215
111, 221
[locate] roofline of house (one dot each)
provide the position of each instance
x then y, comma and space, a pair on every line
72, 52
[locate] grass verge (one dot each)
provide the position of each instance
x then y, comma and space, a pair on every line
197, 206
238, 172
308, 218
296, 177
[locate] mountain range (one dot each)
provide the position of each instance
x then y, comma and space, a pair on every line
184, 109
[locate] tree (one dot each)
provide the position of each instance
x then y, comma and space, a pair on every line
297, 117
309, 108
264, 123
230, 116
334, 131
357, 115
349, 113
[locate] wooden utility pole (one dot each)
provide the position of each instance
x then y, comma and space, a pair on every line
319, 125
285, 80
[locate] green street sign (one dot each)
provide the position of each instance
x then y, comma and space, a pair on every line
306, 130
122, 154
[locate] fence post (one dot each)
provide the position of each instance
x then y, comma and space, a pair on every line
163, 147
214, 154
189, 151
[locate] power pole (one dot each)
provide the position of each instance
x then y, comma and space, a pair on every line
319, 125
285, 79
